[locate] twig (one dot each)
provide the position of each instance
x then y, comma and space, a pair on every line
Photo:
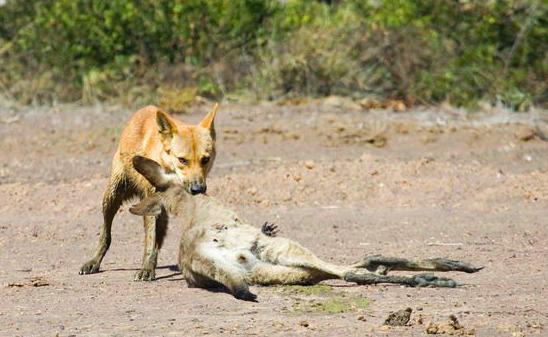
520, 36
249, 162
437, 243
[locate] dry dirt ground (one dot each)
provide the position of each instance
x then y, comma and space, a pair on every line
342, 181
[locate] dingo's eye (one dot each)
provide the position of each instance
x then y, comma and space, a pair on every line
183, 160
205, 160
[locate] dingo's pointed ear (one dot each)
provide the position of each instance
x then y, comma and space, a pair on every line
165, 124
148, 206
209, 119
153, 172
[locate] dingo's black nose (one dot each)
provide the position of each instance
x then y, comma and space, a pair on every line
197, 188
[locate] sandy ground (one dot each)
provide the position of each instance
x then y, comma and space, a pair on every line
343, 182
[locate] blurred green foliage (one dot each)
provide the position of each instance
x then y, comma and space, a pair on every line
424, 51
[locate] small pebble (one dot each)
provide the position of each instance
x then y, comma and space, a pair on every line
525, 133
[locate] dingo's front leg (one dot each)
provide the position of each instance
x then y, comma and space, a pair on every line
150, 254
155, 231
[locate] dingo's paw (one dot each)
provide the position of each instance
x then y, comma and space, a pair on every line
90, 267
145, 274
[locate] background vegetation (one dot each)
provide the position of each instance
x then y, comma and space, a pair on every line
422, 51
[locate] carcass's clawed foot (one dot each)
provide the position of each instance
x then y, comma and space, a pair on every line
269, 229
429, 280
443, 264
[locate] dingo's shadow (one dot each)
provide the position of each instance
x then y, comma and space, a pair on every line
174, 268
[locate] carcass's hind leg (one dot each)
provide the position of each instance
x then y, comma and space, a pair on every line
285, 252
382, 264
271, 274
421, 280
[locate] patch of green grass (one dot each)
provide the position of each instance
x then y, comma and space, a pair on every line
315, 290
339, 305
322, 298
336, 304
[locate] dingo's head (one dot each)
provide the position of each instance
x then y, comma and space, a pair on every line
189, 150
169, 193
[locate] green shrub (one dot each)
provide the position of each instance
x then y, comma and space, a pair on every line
424, 51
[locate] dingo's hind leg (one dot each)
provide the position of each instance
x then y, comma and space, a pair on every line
118, 190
